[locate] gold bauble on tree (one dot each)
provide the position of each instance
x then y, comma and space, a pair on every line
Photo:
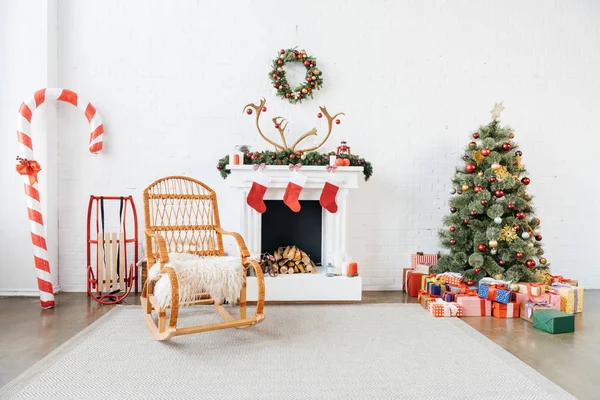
543, 261
465, 188
480, 173
495, 166
493, 244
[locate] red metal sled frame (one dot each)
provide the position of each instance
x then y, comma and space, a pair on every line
132, 276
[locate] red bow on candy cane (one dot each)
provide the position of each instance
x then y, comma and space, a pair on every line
295, 167
330, 168
257, 166
28, 167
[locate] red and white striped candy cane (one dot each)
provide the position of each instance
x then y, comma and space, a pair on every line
34, 209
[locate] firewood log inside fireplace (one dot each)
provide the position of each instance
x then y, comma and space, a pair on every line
291, 260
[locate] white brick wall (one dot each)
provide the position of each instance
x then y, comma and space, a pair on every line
414, 79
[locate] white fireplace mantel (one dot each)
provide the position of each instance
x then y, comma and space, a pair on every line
302, 287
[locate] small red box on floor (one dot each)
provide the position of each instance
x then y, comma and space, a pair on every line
510, 310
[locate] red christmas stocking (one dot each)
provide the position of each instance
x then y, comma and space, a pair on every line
328, 194
292, 191
257, 192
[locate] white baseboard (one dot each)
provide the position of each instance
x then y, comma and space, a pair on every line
25, 292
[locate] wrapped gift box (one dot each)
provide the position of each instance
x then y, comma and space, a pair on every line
549, 297
405, 277
424, 298
571, 297
553, 321
413, 283
474, 306
561, 279
424, 269
435, 288
448, 296
450, 278
441, 308
423, 259
532, 289
497, 293
426, 279
510, 310
527, 308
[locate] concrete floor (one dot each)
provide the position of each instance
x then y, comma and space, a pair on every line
571, 360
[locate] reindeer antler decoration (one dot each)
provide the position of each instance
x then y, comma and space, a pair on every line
281, 124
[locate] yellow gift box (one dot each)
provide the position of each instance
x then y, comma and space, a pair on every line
571, 298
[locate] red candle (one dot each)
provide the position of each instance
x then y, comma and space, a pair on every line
353, 269
236, 159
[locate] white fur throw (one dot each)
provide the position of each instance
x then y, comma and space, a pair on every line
221, 277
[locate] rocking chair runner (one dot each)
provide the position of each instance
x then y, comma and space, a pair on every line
181, 215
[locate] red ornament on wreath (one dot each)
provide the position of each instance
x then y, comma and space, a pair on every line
470, 168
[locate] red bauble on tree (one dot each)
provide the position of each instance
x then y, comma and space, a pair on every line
472, 144
511, 135
466, 221
526, 181
519, 255
520, 214
453, 209
538, 238
470, 168
483, 202
492, 179
530, 263
510, 206
476, 135
502, 262
485, 152
477, 189
473, 212
499, 193
506, 146
470, 283
518, 153
482, 247
477, 270
452, 228
452, 242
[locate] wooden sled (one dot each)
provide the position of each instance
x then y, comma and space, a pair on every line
110, 281
181, 215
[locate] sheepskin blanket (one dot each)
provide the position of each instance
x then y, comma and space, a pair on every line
221, 277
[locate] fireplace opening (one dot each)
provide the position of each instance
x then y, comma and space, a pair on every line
283, 227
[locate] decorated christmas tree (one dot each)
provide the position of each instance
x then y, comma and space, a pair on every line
491, 230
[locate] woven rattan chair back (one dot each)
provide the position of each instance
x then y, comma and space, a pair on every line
184, 211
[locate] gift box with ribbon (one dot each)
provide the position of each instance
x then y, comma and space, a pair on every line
434, 287
413, 283
424, 298
405, 277
441, 308
549, 297
451, 278
423, 259
495, 292
531, 289
510, 310
554, 321
473, 305
561, 279
426, 279
527, 308
571, 297
448, 296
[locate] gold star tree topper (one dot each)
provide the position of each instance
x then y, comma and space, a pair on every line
498, 108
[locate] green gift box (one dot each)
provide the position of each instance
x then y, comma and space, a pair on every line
553, 321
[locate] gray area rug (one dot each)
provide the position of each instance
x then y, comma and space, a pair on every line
378, 351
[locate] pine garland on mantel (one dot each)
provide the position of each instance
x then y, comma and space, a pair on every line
286, 157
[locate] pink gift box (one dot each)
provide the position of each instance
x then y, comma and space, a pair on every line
424, 259
474, 306
552, 298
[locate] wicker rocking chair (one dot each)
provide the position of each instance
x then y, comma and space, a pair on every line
181, 215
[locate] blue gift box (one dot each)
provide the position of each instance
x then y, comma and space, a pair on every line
434, 288
494, 294
449, 297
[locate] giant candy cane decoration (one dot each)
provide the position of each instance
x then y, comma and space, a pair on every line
29, 168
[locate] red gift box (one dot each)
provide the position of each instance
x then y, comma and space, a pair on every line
473, 305
404, 277
510, 310
413, 283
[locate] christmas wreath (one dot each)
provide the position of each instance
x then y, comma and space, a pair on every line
314, 77
286, 157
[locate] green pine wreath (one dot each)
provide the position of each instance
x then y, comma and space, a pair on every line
314, 76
